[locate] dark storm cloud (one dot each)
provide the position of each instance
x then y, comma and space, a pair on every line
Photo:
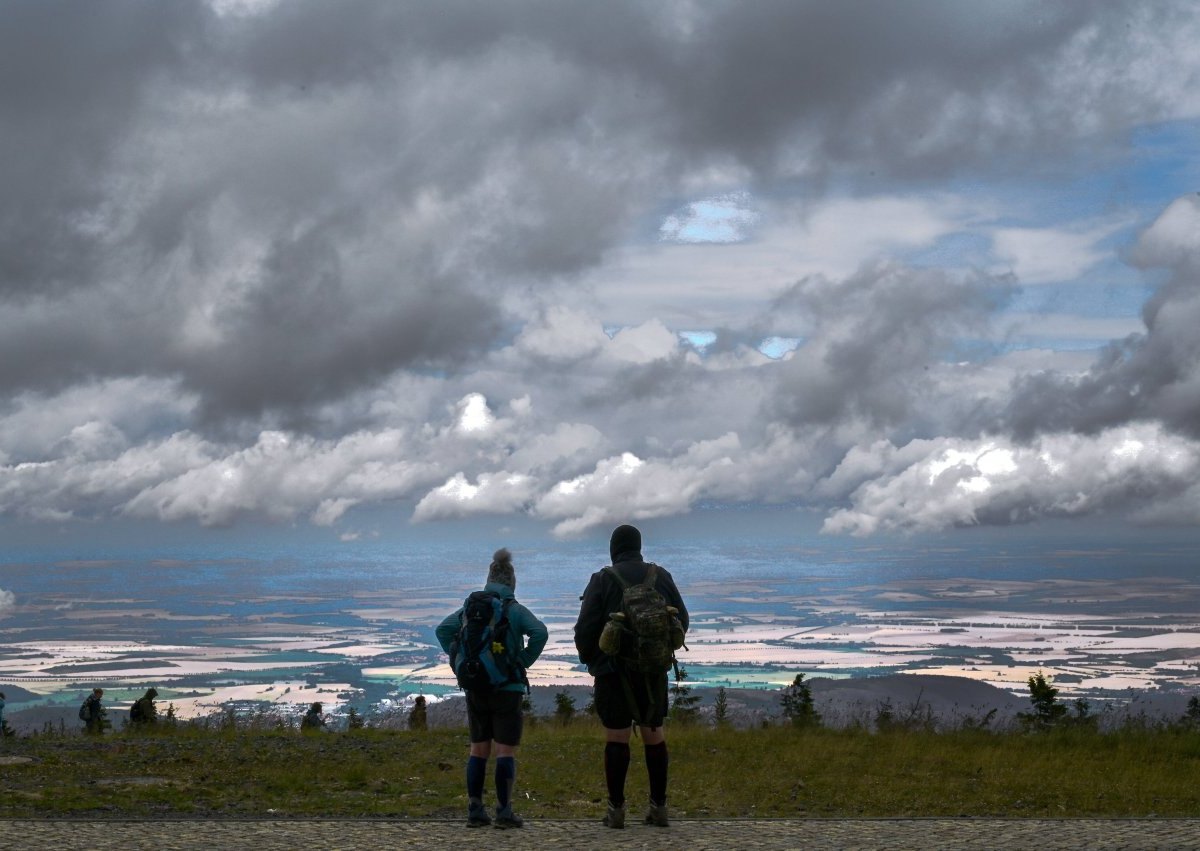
73, 78
1151, 377
867, 84
303, 335
1118, 437
211, 183
328, 253
872, 343
1154, 376
214, 196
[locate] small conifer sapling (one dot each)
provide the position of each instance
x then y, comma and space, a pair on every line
798, 706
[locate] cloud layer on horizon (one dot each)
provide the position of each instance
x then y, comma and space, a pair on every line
277, 261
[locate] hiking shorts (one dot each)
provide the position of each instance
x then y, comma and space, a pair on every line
612, 701
495, 716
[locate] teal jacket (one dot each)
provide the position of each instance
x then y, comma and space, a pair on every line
521, 625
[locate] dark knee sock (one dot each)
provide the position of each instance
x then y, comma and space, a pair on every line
616, 766
476, 772
506, 776
656, 767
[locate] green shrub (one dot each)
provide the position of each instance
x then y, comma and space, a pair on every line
564, 708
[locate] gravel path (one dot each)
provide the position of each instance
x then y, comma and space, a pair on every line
738, 835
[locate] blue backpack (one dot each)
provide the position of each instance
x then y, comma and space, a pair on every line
480, 659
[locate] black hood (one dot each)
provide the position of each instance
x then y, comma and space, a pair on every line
625, 540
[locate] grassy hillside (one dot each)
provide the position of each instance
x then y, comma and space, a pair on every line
773, 771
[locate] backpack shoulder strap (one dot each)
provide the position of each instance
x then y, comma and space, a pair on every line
612, 571
651, 575
517, 674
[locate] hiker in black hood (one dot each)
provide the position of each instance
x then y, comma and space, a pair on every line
624, 695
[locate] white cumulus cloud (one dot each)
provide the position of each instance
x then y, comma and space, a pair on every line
562, 333
493, 493
474, 415
283, 475
1047, 255
1174, 237
625, 487
934, 484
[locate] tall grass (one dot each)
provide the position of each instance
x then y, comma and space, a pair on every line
232, 769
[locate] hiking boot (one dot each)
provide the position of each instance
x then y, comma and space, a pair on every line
477, 815
657, 815
506, 818
615, 817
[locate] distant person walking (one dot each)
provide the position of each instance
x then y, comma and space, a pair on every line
417, 717
93, 714
143, 712
627, 663
313, 720
491, 641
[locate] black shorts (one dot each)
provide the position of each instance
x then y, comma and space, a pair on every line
612, 701
495, 716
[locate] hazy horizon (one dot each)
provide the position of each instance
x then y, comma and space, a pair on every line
354, 626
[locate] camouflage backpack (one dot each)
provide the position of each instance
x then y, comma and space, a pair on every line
652, 631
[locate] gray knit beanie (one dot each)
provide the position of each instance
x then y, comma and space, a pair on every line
501, 569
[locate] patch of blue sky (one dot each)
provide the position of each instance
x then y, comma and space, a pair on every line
699, 340
721, 219
1054, 344
1165, 163
1160, 163
1091, 299
777, 347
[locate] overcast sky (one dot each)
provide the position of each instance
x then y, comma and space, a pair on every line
902, 266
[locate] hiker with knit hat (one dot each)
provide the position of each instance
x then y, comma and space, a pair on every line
628, 692
93, 714
491, 641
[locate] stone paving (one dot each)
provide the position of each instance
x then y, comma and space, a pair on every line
724, 834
